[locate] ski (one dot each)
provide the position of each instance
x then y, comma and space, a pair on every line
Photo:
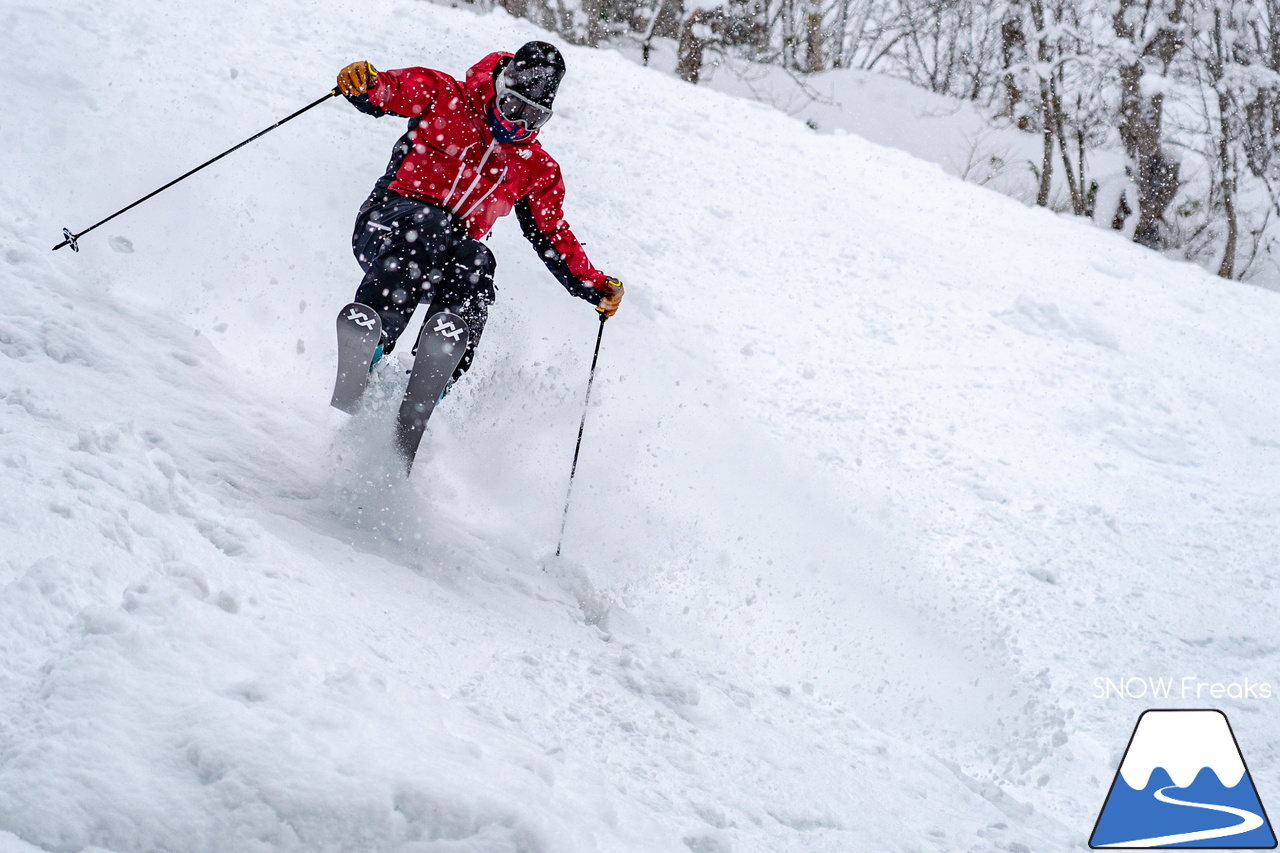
359, 329
441, 344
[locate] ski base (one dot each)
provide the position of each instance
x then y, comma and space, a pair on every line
441, 345
359, 329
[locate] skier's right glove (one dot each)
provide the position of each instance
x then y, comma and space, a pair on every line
612, 290
357, 78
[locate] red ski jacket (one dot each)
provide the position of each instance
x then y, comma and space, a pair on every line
450, 159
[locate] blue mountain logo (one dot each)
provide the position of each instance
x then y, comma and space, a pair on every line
1183, 783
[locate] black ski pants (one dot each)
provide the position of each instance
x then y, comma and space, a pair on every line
414, 252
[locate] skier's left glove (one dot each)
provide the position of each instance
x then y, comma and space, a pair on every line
612, 290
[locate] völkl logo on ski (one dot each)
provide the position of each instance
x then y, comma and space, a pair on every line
446, 328
360, 318
1183, 783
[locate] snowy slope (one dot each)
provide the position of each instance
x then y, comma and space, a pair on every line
881, 472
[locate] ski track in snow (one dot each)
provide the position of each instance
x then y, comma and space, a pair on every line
881, 471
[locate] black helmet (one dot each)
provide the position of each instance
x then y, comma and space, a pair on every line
527, 84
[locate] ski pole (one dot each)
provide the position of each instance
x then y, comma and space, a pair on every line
72, 240
582, 426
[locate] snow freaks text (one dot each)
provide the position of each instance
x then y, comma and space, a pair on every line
1179, 687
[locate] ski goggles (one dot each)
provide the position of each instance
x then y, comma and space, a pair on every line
515, 107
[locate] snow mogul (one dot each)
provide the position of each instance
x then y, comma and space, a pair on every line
470, 156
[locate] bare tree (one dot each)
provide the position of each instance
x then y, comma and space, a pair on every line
1149, 33
1048, 62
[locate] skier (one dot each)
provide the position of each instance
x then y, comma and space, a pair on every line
470, 156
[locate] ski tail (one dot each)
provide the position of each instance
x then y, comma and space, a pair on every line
359, 330
441, 345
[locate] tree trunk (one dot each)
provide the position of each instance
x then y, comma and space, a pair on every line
813, 58
653, 26
594, 11
842, 29
518, 8
1044, 55
1060, 132
1046, 163
1154, 172
692, 43
1217, 70
1227, 268
1152, 169
1013, 47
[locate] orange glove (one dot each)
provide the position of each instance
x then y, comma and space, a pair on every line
357, 78
612, 290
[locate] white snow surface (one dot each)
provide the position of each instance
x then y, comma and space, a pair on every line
1183, 743
881, 471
